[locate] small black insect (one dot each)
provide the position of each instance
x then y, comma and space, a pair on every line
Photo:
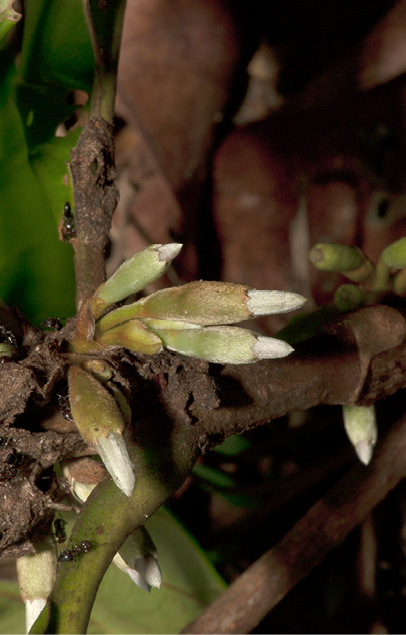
15, 458
52, 323
7, 336
68, 223
67, 555
65, 406
59, 529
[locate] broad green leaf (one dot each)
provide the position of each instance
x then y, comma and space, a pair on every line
36, 269
56, 47
48, 162
12, 611
190, 583
56, 58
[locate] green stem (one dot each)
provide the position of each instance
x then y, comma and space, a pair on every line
105, 28
106, 519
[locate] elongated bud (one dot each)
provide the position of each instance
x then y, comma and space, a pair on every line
336, 257
206, 303
395, 254
138, 558
349, 261
134, 274
132, 335
360, 426
348, 297
100, 422
222, 344
36, 577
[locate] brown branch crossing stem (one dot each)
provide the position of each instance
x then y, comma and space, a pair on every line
246, 602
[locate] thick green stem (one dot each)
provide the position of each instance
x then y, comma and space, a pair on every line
106, 519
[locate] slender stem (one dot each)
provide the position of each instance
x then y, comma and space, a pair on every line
106, 519
105, 35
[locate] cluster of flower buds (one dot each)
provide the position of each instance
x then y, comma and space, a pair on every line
192, 319
360, 421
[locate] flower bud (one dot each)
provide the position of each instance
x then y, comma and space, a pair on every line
138, 558
336, 257
100, 422
205, 303
36, 577
348, 297
360, 426
222, 344
395, 254
134, 274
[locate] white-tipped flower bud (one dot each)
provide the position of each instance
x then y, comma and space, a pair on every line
205, 303
100, 422
36, 577
138, 558
221, 344
360, 426
134, 274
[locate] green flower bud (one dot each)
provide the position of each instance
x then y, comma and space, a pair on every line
134, 274
132, 335
360, 426
36, 577
336, 257
99, 420
348, 297
395, 254
205, 303
349, 261
222, 344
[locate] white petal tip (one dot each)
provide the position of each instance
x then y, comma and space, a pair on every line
32, 610
268, 302
169, 252
271, 348
364, 450
150, 570
114, 454
139, 580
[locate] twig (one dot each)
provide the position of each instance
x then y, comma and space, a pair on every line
324, 527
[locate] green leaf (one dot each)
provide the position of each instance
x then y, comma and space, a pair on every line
48, 162
12, 610
56, 58
56, 47
36, 269
190, 583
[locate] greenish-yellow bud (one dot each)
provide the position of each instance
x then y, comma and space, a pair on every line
395, 254
134, 274
360, 426
100, 421
205, 303
348, 297
223, 344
